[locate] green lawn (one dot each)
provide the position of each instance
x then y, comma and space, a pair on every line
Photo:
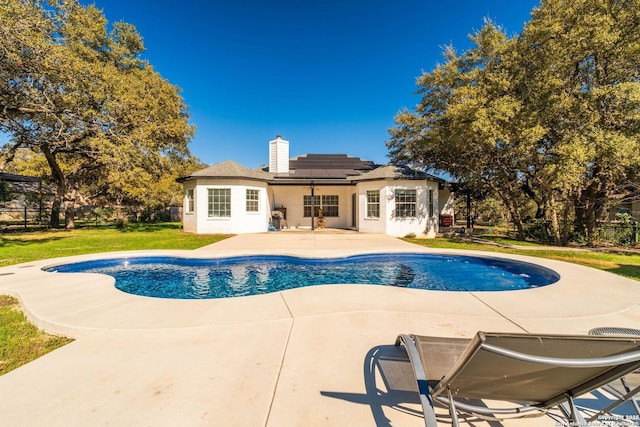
623, 264
20, 341
17, 248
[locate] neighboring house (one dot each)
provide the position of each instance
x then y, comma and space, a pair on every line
348, 192
25, 192
628, 203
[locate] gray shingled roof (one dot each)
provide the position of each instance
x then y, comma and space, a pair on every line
228, 169
395, 172
25, 184
342, 169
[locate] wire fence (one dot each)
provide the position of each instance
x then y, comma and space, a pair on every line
28, 218
23, 217
623, 233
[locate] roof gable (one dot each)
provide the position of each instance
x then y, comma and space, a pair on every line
228, 169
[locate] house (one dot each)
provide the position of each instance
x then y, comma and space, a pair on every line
627, 202
314, 190
26, 196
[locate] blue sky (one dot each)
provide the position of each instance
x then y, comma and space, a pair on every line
329, 76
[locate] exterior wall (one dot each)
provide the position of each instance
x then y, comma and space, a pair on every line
291, 197
240, 220
445, 202
631, 207
189, 218
389, 223
372, 225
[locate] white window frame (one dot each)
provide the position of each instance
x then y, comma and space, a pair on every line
373, 204
190, 205
219, 205
406, 203
252, 200
331, 201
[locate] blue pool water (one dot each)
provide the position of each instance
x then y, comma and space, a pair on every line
194, 278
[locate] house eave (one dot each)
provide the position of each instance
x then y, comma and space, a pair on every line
240, 177
310, 181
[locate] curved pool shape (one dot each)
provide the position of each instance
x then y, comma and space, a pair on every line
196, 278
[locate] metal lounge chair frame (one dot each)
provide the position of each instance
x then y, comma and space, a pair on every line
537, 372
629, 394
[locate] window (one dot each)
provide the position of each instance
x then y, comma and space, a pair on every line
190, 207
373, 204
307, 205
253, 199
405, 203
328, 204
219, 202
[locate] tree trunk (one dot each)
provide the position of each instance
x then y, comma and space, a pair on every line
555, 226
512, 206
61, 184
69, 213
585, 211
55, 212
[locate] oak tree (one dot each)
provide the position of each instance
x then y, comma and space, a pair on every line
75, 91
552, 114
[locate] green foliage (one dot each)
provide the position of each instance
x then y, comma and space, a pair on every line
75, 93
622, 232
552, 114
5, 193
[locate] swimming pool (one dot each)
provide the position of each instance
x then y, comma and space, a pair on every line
198, 278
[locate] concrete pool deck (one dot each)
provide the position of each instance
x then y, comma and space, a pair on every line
303, 357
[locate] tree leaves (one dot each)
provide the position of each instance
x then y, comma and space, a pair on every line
551, 113
79, 95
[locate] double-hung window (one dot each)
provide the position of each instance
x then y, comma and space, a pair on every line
253, 200
219, 202
307, 202
190, 205
373, 204
328, 204
405, 203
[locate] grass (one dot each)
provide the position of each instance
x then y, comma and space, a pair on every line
16, 248
20, 341
623, 264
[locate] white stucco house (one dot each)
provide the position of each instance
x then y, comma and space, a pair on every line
345, 192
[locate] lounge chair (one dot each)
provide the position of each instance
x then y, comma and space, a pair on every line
626, 394
538, 372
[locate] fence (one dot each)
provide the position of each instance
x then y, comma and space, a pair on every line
14, 218
23, 217
623, 233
